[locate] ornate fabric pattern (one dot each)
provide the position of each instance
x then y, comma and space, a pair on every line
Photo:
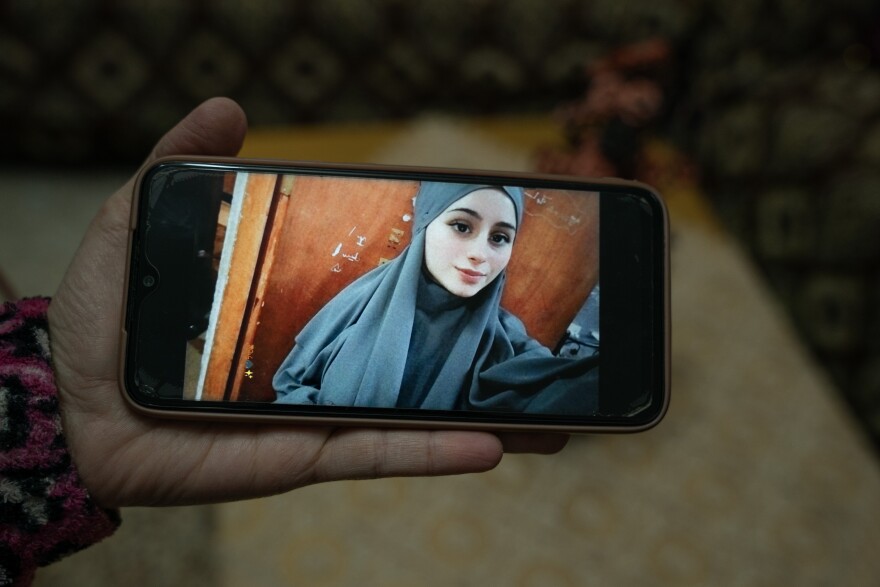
96, 81
781, 126
784, 124
45, 512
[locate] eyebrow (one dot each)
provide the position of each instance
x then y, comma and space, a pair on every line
477, 215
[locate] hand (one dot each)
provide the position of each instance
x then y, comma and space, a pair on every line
127, 459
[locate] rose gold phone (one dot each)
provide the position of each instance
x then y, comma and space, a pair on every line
366, 295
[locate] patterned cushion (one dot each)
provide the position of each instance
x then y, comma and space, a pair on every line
96, 82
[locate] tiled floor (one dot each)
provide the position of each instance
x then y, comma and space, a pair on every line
43, 216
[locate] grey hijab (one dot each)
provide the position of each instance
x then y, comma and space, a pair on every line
354, 352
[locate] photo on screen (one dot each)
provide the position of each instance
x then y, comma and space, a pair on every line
391, 293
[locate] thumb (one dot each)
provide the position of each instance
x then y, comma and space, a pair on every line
96, 275
215, 127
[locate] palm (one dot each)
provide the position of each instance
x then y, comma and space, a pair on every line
128, 459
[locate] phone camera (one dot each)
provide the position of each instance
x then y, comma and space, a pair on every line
149, 281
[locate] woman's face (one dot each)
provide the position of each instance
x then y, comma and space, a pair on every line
469, 244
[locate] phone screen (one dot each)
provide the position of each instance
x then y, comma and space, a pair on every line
342, 292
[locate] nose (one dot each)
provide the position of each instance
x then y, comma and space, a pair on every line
477, 253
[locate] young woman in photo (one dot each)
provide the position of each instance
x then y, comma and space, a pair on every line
427, 329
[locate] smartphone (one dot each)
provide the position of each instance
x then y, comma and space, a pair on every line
391, 296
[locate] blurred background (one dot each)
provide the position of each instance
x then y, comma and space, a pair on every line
758, 119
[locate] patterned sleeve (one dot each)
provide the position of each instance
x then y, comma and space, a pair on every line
45, 511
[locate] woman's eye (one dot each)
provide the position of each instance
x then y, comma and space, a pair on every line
500, 238
460, 227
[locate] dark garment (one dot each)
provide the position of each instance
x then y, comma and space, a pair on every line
437, 310
394, 338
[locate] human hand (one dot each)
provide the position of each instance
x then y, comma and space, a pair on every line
127, 459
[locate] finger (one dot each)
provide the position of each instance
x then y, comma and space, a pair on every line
368, 454
215, 127
521, 442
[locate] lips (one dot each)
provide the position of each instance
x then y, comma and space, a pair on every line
470, 276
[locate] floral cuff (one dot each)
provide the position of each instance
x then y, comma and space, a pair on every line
45, 511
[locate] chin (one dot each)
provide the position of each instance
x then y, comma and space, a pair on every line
462, 291
466, 291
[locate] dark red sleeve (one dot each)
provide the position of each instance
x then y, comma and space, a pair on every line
45, 512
